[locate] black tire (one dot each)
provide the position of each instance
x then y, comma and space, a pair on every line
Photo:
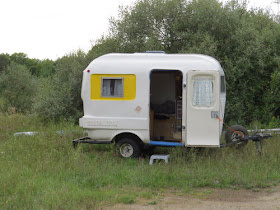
232, 137
129, 148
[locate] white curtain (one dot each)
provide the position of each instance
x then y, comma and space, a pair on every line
203, 92
118, 88
112, 88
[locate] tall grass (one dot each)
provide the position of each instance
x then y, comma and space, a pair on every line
44, 171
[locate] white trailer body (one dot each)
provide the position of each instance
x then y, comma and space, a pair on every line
158, 98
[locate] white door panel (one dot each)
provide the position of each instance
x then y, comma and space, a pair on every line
202, 106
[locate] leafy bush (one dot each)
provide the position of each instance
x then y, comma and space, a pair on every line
60, 96
274, 96
274, 123
17, 88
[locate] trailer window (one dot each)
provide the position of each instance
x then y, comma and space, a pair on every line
203, 92
223, 84
112, 87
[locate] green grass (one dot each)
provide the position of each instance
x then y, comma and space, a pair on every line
44, 171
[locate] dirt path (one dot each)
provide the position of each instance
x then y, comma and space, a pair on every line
212, 199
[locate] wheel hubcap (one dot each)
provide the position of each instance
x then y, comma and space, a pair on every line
235, 137
126, 150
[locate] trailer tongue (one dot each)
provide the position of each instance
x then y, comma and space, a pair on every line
257, 138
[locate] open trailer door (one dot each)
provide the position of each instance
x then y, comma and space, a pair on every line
202, 107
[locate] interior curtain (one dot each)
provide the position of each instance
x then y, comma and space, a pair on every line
112, 87
118, 88
203, 92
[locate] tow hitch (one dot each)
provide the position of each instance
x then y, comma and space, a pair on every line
257, 138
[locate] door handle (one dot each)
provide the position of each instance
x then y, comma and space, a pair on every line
214, 114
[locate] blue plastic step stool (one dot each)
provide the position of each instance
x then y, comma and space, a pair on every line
161, 157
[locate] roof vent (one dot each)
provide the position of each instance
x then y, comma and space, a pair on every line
155, 52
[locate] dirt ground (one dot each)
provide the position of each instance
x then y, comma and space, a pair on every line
211, 199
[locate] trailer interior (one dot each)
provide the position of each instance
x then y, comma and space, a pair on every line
166, 105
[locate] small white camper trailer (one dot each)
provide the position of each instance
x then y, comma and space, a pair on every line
153, 99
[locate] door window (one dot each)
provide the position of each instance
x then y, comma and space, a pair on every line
203, 95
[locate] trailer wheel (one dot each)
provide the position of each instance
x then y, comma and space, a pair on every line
232, 137
129, 148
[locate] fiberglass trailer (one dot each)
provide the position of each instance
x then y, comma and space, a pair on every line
153, 99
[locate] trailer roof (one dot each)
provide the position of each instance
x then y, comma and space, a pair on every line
148, 61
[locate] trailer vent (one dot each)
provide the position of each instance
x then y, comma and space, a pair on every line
155, 52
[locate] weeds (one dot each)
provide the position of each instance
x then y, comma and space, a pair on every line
44, 171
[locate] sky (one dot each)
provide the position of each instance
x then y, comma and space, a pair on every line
49, 29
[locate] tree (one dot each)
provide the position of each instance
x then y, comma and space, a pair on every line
4, 61
45, 68
60, 96
19, 58
17, 88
